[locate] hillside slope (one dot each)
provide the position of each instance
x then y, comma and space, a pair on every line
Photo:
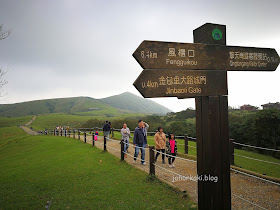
123, 103
60, 105
131, 102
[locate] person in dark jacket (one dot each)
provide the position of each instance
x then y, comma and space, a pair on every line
106, 130
140, 141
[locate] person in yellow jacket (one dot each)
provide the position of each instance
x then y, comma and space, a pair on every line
160, 143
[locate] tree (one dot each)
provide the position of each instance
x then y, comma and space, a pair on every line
3, 35
2, 80
267, 128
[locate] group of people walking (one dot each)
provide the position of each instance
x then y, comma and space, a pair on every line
167, 147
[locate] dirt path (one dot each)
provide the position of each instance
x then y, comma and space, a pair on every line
261, 193
31, 121
28, 130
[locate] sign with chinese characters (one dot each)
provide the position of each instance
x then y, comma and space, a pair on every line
181, 83
185, 56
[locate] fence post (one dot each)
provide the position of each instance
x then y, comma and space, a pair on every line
231, 152
105, 143
73, 133
152, 160
186, 144
93, 139
79, 135
85, 137
122, 149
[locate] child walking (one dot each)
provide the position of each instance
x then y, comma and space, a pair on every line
171, 149
96, 135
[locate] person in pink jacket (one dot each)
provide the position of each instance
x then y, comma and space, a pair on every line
171, 149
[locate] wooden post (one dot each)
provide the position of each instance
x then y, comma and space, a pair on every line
79, 135
85, 137
212, 138
93, 139
122, 149
231, 152
152, 160
105, 143
186, 144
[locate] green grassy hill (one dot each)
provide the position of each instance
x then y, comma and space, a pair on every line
131, 102
74, 175
121, 104
60, 105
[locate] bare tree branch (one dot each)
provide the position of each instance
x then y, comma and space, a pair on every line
4, 34
2, 80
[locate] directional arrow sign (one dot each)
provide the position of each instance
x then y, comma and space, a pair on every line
181, 83
185, 56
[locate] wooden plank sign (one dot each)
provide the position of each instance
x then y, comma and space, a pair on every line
181, 83
196, 56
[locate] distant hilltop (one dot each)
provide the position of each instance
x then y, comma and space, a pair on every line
122, 103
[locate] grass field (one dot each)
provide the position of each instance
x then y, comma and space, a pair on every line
252, 165
50, 121
36, 169
6, 122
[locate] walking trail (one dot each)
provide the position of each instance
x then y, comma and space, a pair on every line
27, 129
259, 194
247, 192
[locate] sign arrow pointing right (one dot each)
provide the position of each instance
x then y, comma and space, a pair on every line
185, 56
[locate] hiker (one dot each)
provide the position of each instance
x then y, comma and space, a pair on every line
106, 130
160, 141
171, 149
146, 127
96, 135
140, 141
125, 137
110, 127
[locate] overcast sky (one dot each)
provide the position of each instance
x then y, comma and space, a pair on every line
73, 48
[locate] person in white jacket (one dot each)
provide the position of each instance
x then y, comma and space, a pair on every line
146, 127
125, 136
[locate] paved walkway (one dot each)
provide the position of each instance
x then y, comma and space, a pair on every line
260, 193
28, 130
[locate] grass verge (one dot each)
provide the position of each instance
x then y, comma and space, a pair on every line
36, 169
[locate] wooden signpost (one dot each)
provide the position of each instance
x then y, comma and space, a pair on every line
185, 56
186, 70
212, 138
181, 83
